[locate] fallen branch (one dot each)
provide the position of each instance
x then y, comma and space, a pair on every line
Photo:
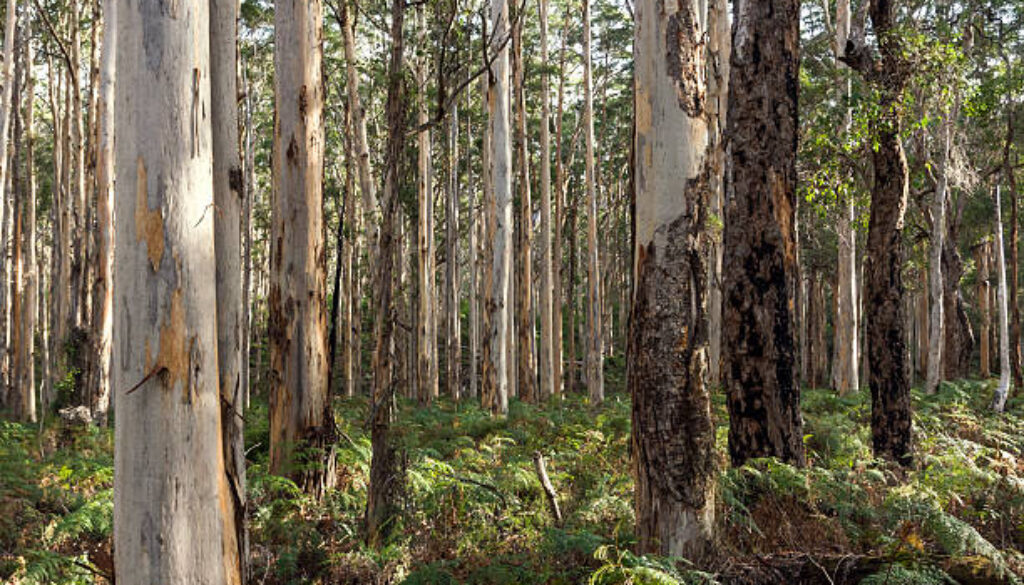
549, 490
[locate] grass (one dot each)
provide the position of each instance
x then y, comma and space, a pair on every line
473, 510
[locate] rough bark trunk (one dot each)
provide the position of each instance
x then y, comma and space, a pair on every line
301, 419
760, 263
496, 369
1011, 179
673, 435
384, 474
889, 376
173, 523
595, 340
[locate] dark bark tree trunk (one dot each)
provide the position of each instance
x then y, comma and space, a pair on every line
760, 258
889, 375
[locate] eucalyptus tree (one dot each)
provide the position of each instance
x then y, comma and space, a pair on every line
673, 435
760, 257
301, 420
172, 523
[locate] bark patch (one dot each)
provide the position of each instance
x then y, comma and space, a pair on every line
149, 225
684, 45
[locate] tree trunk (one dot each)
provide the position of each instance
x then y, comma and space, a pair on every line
384, 474
453, 329
79, 262
673, 435
525, 322
558, 362
846, 340
6, 96
548, 351
922, 324
719, 49
936, 325
300, 408
999, 399
426, 322
595, 342
958, 336
1011, 179
474, 258
25, 305
981, 260
496, 369
889, 375
173, 523
760, 263
102, 319
228, 193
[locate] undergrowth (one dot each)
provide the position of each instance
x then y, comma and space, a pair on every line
473, 510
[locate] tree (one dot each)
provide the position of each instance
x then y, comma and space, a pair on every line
845, 377
526, 376
673, 435
384, 478
935, 294
760, 262
1002, 391
496, 364
548, 350
595, 341
426, 314
885, 309
25, 305
228, 193
300, 409
172, 523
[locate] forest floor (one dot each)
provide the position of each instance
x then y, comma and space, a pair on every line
474, 511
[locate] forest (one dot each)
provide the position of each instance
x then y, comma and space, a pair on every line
539, 292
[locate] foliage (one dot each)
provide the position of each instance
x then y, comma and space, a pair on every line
473, 510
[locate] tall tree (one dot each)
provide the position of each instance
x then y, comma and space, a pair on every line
719, 48
595, 342
935, 322
846, 344
25, 305
760, 261
496, 366
172, 521
673, 436
228, 193
384, 479
426, 314
102, 308
1002, 391
526, 376
548, 350
300, 410
453, 330
889, 375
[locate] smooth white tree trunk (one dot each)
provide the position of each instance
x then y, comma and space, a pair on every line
172, 521
496, 373
999, 400
595, 342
